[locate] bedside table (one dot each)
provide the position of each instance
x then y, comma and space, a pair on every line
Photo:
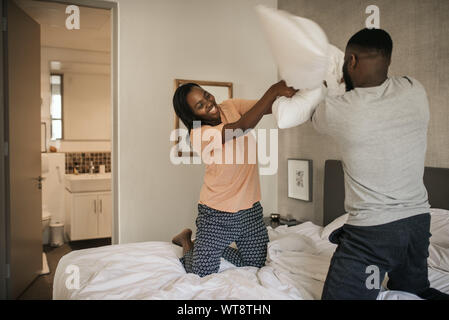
274, 223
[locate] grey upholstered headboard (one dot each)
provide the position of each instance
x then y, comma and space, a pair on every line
436, 181
334, 191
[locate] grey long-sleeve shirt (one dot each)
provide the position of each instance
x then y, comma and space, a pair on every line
382, 135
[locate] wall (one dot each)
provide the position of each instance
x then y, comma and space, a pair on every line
419, 30
89, 69
158, 42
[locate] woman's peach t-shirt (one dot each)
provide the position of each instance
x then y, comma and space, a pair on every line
228, 187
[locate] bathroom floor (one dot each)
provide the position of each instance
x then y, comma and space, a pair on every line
42, 287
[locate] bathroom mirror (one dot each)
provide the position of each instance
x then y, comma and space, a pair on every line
87, 106
220, 90
79, 95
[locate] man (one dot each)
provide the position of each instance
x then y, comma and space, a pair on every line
380, 127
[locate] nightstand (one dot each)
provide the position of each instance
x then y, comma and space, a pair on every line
275, 221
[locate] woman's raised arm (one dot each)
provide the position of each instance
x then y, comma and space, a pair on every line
252, 117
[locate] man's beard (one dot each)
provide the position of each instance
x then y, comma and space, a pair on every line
347, 78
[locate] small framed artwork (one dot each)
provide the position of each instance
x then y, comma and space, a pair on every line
300, 179
220, 90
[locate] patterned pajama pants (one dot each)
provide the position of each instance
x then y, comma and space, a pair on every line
216, 230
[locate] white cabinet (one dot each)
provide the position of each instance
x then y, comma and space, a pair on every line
105, 215
89, 215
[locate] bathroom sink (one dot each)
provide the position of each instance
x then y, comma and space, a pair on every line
85, 182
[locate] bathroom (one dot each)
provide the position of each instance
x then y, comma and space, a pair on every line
76, 128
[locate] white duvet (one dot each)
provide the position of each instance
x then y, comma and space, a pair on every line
297, 263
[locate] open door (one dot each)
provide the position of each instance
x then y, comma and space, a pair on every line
24, 154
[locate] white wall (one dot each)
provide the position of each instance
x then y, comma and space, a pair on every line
90, 69
159, 41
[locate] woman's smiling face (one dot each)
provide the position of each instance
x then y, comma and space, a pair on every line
203, 105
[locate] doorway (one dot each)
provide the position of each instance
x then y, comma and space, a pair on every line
77, 124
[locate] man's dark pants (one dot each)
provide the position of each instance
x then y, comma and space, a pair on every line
399, 248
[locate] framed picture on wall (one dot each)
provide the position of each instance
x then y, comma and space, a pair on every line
300, 179
220, 90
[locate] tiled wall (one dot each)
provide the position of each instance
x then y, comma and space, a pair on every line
82, 161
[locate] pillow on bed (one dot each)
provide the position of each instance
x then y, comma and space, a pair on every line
334, 225
438, 257
439, 226
439, 242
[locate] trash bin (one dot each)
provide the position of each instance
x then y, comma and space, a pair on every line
56, 234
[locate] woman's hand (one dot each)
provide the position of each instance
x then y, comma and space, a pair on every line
263, 106
281, 89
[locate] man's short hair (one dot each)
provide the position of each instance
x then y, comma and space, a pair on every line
374, 39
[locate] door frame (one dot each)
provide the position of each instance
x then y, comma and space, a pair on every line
4, 128
4, 168
113, 6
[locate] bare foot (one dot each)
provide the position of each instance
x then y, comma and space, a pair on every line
184, 240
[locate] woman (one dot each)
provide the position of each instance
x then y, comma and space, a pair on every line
229, 209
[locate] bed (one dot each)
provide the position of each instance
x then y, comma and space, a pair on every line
297, 261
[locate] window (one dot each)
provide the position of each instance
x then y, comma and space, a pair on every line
56, 106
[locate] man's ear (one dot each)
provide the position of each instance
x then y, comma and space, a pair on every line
353, 61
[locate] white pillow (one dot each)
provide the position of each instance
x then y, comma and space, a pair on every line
439, 226
291, 112
299, 46
438, 257
439, 242
334, 76
334, 225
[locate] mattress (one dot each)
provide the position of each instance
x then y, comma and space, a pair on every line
298, 259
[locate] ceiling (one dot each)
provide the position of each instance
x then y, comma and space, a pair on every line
95, 26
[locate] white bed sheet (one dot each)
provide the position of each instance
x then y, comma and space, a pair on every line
297, 263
